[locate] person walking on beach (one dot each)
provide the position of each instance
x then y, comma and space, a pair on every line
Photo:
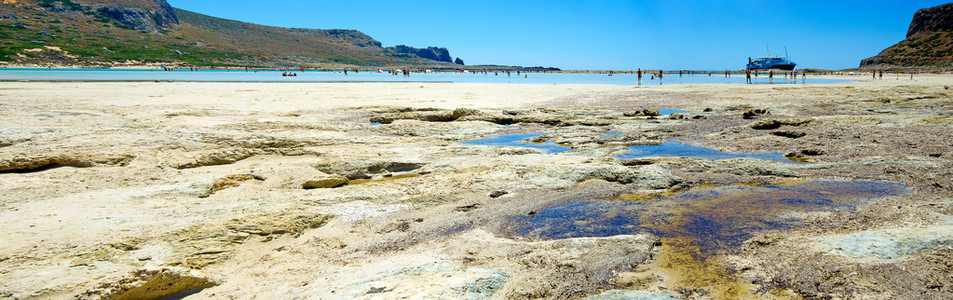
748, 76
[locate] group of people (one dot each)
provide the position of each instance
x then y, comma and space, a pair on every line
652, 76
792, 74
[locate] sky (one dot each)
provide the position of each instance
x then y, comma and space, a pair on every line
606, 34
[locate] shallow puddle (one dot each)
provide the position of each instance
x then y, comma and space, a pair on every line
666, 112
673, 149
696, 225
718, 216
519, 140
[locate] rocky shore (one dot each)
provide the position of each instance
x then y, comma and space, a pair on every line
133, 190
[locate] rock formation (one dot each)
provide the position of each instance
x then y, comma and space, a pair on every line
145, 15
929, 43
431, 53
931, 20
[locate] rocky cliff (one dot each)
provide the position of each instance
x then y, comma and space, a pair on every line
145, 15
431, 53
931, 20
928, 46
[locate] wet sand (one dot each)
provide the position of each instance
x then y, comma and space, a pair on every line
145, 189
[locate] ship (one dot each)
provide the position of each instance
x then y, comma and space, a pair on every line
764, 63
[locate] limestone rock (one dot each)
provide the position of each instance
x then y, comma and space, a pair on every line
365, 169
153, 284
777, 123
755, 112
43, 161
651, 112
214, 158
789, 133
331, 181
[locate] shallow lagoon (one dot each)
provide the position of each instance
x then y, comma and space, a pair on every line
37, 74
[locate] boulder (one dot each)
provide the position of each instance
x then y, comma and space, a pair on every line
755, 112
330, 181
777, 123
789, 133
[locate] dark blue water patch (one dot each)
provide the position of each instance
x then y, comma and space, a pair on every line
675, 149
519, 140
713, 218
671, 111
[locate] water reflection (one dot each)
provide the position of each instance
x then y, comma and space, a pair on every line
519, 140
673, 149
715, 218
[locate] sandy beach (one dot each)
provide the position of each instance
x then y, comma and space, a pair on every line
131, 190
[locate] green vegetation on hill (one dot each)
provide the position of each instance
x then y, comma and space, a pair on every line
68, 32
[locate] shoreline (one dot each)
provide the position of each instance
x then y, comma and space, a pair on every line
645, 72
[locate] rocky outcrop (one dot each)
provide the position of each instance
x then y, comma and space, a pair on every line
330, 181
144, 15
931, 20
928, 45
431, 53
153, 284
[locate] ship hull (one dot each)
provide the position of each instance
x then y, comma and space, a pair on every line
786, 67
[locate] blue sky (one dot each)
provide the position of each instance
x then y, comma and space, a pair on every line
599, 35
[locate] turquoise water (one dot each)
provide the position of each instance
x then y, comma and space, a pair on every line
519, 140
336, 76
673, 149
671, 111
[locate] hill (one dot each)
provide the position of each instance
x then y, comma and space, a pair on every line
928, 44
136, 32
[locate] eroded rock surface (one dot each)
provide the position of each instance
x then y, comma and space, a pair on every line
199, 186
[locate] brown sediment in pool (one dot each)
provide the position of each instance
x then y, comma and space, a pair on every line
696, 227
